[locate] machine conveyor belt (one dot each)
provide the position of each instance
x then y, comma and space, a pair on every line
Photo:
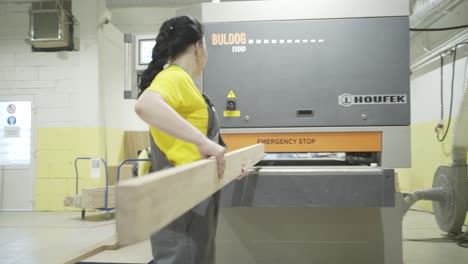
304, 162
315, 171
312, 187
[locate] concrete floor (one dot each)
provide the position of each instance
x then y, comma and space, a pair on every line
49, 237
43, 237
432, 247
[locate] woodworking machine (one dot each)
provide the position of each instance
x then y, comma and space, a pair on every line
325, 86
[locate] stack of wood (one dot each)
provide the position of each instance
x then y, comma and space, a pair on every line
72, 201
92, 198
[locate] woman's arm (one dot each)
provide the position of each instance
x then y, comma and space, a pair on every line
152, 108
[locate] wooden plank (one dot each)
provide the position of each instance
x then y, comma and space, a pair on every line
92, 198
72, 201
147, 204
95, 197
108, 244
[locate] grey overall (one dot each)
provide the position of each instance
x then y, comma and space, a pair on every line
190, 239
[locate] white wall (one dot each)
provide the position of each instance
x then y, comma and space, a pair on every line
140, 19
425, 92
120, 113
64, 84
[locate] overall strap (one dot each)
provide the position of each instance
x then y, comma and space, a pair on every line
159, 160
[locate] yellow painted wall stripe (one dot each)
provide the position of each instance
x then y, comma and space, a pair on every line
57, 149
427, 154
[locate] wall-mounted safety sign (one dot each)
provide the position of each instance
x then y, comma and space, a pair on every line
11, 109
11, 120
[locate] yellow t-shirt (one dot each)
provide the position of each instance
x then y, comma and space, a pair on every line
177, 87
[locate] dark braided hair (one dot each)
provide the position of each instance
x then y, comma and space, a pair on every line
175, 36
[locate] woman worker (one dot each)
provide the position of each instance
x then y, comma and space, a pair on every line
184, 128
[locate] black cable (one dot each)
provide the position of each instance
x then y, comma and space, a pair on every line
463, 243
449, 238
438, 29
432, 240
462, 240
451, 97
420, 210
451, 92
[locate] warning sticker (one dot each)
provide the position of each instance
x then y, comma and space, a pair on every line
11, 131
232, 113
308, 142
231, 95
286, 141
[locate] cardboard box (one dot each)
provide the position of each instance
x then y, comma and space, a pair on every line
125, 173
134, 141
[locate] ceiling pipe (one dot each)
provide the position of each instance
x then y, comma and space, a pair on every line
426, 12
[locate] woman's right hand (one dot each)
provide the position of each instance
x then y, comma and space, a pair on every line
210, 149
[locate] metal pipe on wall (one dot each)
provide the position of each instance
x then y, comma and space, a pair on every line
460, 130
128, 89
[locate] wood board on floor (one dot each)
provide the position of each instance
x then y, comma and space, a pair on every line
108, 244
147, 204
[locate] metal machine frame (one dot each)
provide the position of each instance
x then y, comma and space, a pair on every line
305, 193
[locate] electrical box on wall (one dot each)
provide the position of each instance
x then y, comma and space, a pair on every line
144, 50
51, 26
138, 54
